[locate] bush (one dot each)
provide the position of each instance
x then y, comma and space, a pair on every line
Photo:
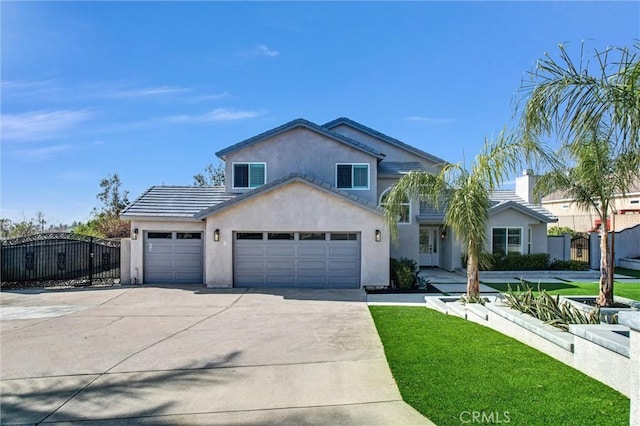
569, 265
560, 230
514, 262
549, 309
404, 273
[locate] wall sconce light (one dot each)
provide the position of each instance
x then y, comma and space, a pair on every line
216, 235
443, 234
135, 234
378, 236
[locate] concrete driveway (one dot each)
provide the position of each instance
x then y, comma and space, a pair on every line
188, 355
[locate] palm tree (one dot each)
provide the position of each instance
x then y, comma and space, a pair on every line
464, 195
596, 119
593, 177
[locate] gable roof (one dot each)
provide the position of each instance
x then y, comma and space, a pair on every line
500, 200
291, 178
634, 189
378, 135
300, 122
505, 199
175, 201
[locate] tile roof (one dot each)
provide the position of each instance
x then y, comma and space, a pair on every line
393, 141
300, 122
634, 188
500, 200
506, 198
398, 168
175, 201
293, 177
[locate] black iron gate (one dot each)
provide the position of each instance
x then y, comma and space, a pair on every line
60, 257
580, 247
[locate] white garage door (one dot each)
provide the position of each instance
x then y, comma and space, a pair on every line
173, 258
297, 259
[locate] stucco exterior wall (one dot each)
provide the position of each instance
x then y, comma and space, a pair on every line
583, 220
303, 151
407, 243
136, 275
296, 207
513, 218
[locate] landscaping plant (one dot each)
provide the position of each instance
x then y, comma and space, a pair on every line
548, 308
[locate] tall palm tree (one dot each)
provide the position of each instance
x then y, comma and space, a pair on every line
569, 100
464, 195
595, 116
592, 176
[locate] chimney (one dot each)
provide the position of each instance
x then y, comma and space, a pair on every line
524, 186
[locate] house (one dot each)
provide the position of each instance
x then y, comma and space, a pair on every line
301, 208
626, 206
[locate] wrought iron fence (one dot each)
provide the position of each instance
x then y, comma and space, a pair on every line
59, 257
580, 247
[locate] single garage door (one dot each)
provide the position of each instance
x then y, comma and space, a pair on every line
297, 259
173, 258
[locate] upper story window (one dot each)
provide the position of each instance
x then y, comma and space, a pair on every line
249, 175
352, 176
404, 212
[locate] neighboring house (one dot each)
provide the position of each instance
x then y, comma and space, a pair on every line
301, 208
627, 209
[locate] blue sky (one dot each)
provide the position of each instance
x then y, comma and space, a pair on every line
152, 90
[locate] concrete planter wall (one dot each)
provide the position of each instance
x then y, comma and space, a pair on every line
629, 263
607, 315
600, 351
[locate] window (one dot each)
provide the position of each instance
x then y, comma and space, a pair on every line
159, 235
634, 201
312, 236
344, 236
507, 240
249, 175
249, 236
404, 213
352, 176
189, 235
280, 235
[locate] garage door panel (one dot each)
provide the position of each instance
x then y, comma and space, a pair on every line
312, 266
278, 250
295, 263
343, 250
312, 251
281, 265
173, 260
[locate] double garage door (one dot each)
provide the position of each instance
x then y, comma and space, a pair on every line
297, 259
173, 258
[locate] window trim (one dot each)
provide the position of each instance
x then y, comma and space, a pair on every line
248, 163
380, 204
352, 169
520, 228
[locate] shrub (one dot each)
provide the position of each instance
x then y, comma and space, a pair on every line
549, 309
514, 262
569, 265
560, 230
404, 272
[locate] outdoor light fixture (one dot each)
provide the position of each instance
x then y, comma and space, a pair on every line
216, 235
378, 236
443, 234
135, 234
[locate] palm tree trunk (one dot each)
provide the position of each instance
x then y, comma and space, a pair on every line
473, 273
605, 296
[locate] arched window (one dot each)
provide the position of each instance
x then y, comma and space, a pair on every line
404, 215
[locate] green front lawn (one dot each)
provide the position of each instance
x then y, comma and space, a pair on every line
447, 368
630, 291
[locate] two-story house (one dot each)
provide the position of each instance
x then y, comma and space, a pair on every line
301, 207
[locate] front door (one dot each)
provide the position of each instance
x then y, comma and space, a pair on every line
429, 255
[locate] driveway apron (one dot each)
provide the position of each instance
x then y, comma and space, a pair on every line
189, 355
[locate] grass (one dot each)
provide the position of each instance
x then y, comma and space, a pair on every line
630, 291
446, 366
